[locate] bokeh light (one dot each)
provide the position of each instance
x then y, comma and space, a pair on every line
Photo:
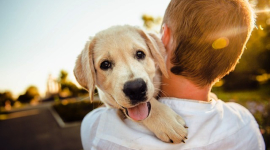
220, 43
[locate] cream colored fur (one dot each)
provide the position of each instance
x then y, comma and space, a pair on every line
119, 45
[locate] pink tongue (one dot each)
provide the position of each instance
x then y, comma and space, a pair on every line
139, 112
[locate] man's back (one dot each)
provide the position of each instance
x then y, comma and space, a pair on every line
212, 125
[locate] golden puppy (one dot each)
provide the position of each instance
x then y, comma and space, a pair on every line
124, 63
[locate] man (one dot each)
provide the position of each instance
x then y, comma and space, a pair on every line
204, 40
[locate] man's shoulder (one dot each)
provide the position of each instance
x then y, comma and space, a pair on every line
231, 125
94, 124
95, 114
246, 129
238, 111
92, 119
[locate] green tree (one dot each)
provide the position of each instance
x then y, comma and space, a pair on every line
67, 85
63, 76
6, 96
151, 23
30, 94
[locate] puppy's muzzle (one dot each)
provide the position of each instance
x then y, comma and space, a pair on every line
136, 91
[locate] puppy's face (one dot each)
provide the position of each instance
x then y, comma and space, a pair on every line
124, 67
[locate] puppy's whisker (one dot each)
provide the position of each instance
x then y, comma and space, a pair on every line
161, 91
157, 89
85, 98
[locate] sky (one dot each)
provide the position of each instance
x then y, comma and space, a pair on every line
42, 37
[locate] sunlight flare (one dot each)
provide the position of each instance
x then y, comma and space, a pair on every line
262, 11
220, 43
260, 27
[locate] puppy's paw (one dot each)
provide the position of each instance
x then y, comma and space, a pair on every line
172, 131
166, 124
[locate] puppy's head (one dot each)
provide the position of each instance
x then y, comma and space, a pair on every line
122, 61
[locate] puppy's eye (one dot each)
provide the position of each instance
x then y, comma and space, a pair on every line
140, 55
105, 65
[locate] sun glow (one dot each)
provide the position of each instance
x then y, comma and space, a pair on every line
220, 43
262, 11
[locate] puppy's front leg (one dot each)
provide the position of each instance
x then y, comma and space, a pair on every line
165, 123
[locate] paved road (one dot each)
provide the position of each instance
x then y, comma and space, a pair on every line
36, 129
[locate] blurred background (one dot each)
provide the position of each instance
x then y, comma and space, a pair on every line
42, 105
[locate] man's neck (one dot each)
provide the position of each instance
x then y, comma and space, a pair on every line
180, 87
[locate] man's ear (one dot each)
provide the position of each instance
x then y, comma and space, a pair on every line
84, 69
166, 35
157, 49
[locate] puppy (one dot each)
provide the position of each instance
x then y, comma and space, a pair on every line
125, 65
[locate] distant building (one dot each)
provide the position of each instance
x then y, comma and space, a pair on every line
53, 86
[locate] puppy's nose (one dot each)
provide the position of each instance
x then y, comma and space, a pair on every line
135, 90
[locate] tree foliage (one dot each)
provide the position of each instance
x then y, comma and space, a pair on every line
151, 23
63, 76
30, 94
5, 97
68, 86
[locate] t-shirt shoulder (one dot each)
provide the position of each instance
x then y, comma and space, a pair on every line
243, 112
94, 114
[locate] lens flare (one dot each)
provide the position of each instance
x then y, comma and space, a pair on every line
259, 11
220, 43
260, 27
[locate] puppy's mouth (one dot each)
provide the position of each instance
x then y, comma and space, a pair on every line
139, 112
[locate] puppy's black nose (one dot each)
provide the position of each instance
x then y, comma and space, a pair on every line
135, 90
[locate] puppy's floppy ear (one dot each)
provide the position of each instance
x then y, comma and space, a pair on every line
157, 49
84, 68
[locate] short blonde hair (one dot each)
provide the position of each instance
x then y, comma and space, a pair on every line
196, 26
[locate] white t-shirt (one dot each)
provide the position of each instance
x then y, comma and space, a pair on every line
213, 125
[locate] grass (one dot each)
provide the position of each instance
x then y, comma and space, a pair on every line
260, 95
